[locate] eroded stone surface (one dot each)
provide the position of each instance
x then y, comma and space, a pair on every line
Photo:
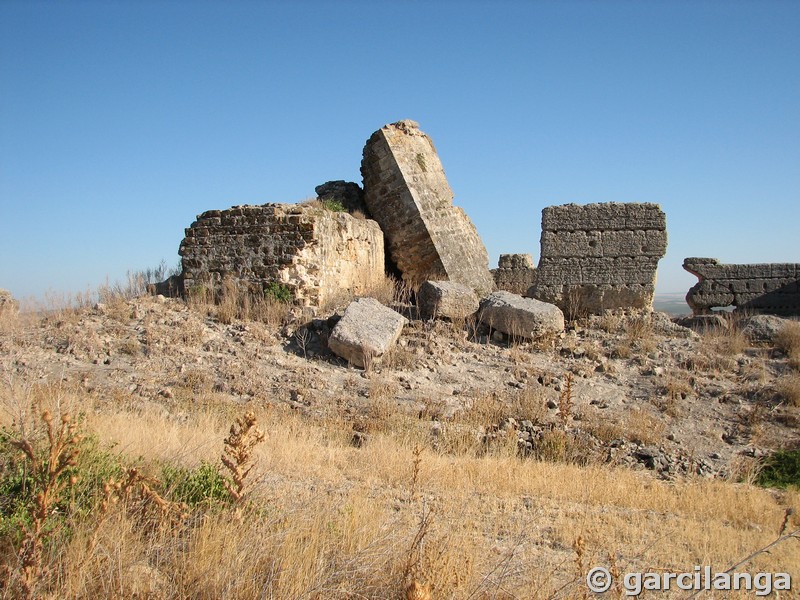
366, 331
600, 256
514, 273
769, 288
8, 305
521, 317
316, 253
446, 299
406, 191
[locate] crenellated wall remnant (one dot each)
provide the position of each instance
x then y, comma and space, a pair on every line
769, 288
406, 191
317, 253
600, 256
514, 273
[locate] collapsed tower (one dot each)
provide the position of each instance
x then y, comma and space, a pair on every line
406, 191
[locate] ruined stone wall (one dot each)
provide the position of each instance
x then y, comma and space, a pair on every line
514, 273
769, 288
600, 256
316, 253
406, 191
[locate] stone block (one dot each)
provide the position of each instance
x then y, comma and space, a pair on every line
604, 256
446, 299
763, 288
406, 191
366, 331
521, 317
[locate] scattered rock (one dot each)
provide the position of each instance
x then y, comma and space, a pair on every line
521, 317
762, 329
446, 299
366, 331
8, 306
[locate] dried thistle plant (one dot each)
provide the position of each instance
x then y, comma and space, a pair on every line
565, 403
238, 455
50, 475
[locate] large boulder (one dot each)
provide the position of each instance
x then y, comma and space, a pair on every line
367, 330
762, 328
521, 317
446, 299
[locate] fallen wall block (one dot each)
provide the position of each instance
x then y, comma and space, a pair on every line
406, 191
521, 317
317, 254
772, 288
367, 330
601, 256
446, 299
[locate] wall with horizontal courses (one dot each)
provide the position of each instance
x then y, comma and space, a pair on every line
318, 254
768, 288
515, 273
406, 191
600, 256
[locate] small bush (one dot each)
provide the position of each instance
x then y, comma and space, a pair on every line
278, 292
202, 486
781, 469
789, 388
788, 340
333, 206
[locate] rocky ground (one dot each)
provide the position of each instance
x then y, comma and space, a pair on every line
630, 389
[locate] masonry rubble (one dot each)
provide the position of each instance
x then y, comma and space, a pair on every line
772, 288
446, 299
349, 194
406, 191
367, 330
521, 317
600, 256
514, 273
317, 254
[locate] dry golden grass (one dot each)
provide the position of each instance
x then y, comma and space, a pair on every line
788, 387
328, 520
788, 340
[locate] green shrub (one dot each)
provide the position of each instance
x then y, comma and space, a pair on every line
333, 206
195, 487
278, 292
781, 469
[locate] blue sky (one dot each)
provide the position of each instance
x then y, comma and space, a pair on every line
121, 121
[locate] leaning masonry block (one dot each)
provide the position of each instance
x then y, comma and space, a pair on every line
406, 191
521, 317
446, 299
367, 330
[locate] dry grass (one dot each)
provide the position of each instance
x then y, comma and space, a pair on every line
788, 340
334, 521
788, 387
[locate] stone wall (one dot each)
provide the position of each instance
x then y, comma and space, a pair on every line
406, 191
318, 254
600, 256
514, 273
769, 288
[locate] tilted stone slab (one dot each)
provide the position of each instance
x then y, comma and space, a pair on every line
521, 317
446, 299
767, 288
367, 330
406, 191
600, 256
316, 253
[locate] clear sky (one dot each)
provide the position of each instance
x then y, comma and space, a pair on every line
121, 121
